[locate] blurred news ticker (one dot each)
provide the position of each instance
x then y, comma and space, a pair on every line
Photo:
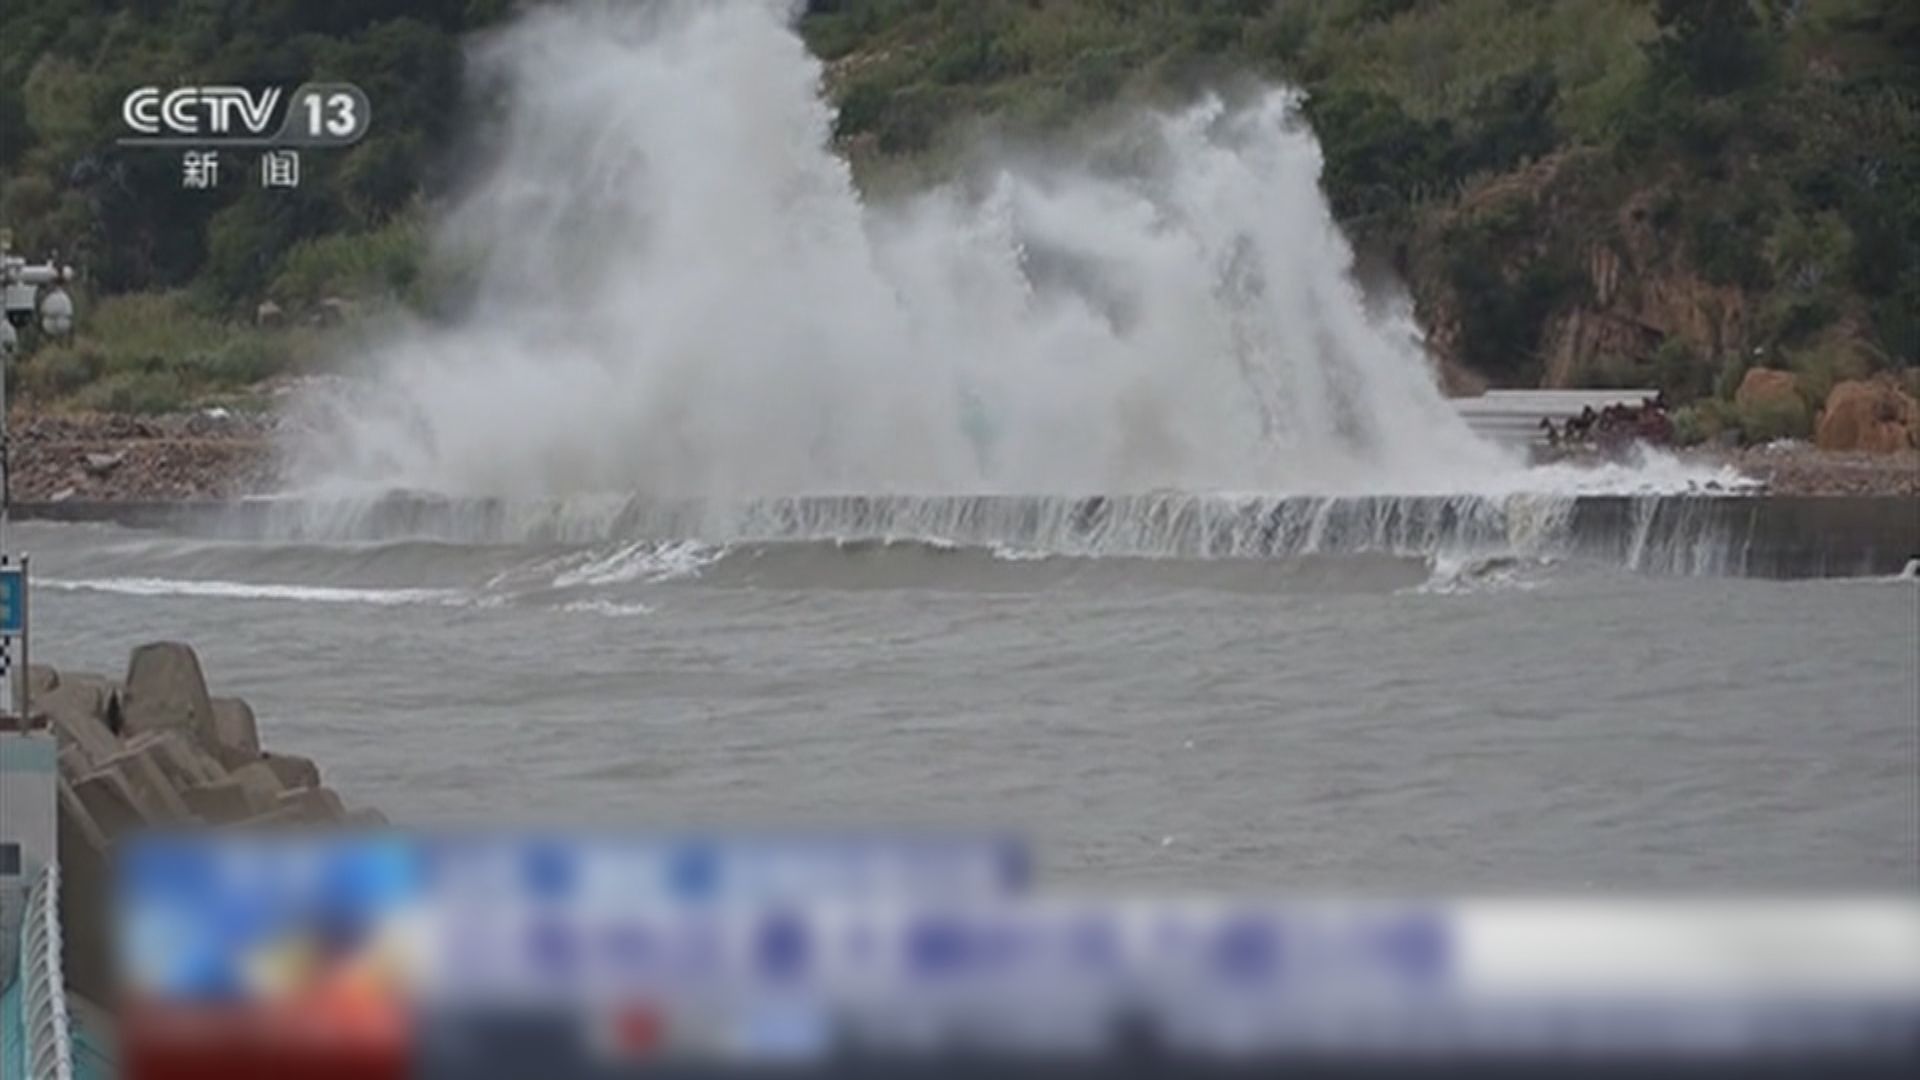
600, 955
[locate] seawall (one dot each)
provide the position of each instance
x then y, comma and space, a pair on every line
1771, 536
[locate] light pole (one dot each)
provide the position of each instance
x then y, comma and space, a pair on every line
26, 289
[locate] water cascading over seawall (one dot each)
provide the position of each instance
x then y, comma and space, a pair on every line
1758, 536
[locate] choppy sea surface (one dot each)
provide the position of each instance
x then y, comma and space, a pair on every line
1318, 721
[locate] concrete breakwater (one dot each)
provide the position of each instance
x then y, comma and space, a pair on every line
1773, 536
155, 749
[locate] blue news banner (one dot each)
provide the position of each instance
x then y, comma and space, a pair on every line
481, 955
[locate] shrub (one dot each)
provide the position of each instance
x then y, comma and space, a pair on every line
1817, 370
1691, 426
1728, 250
1795, 319
1896, 321
1505, 296
244, 360
1715, 45
1282, 36
862, 107
916, 113
1097, 75
974, 58
1512, 120
1732, 369
382, 263
1376, 155
134, 392
1356, 12
1766, 421
59, 370
1680, 372
1609, 373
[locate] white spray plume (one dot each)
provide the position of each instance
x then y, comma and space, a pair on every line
684, 293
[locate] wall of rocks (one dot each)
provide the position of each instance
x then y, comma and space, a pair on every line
155, 749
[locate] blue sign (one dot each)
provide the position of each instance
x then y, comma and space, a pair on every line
13, 601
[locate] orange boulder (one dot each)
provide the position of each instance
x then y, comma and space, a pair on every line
1871, 415
1765, 386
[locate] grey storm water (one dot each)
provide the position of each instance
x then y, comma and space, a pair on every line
696, 303
1350, 721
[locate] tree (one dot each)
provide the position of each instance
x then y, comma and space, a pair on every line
1714, 45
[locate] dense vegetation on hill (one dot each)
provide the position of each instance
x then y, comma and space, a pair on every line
1578, 191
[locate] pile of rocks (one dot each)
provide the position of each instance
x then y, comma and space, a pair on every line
155, 750
207, 455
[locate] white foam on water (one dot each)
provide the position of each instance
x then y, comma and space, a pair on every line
641, 561
606, 608
1455, 575
240, 590
1646, 471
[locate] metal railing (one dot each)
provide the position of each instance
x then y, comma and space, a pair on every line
48, 1029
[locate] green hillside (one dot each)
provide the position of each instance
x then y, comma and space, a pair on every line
1579, 192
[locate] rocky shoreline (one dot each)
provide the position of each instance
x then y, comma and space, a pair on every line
217, 454
154, 749
1801, 469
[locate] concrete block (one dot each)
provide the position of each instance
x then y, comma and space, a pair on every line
218, 803
184, 760
85, 872
293, 770
236, 737
74, 811
110, 802
280, 817
41, 680
77, 710
262, 785
159, 800
314, 805
166, 689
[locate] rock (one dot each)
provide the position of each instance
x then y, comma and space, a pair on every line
268, 314
41, 680
236, 737
292, 770
102, 465
1765, 386
364, 818
1869, 415
165, 689
334, 311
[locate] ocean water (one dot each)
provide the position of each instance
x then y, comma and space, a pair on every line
1341, 720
